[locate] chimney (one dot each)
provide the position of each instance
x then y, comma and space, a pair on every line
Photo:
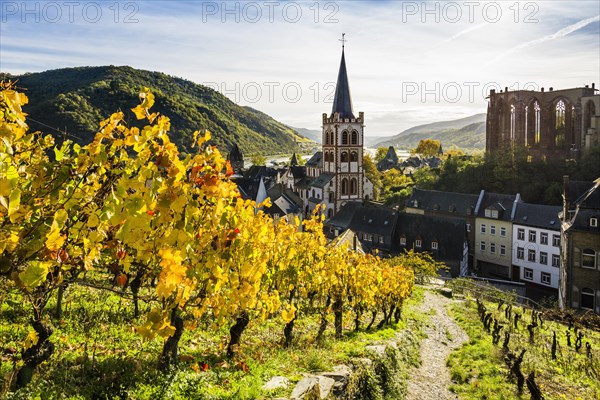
593, 85
542, 90
492, 91
551, 88
505, 88
587, 86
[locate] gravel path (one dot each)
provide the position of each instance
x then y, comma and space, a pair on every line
431, 380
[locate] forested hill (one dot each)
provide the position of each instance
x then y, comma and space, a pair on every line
77, 99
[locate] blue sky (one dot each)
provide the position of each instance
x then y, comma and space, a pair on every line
408, 62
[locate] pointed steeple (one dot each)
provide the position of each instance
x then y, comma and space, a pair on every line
294, 161
342, 101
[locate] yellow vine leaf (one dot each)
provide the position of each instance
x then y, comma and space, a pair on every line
173, 272
288, 314
35, 273
31, 339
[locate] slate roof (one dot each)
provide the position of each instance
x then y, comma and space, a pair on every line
341, 220
578, 194
495, 201
537, 215
235, 154
298, 172
462, 204
350, 239
322, 180
450, 233
316, 160
374, 220
342, 102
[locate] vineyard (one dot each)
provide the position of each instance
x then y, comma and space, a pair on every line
519, 352
126, 235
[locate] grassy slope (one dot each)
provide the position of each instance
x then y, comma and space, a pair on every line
77, 99
99, 355
480, 372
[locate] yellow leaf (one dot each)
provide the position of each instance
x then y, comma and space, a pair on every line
139, 111
31, 339
35, 273
288, 314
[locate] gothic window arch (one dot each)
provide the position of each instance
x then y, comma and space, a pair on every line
526, 126
345, 137
354, 137
344, 156
331, 138
353, 186
560, 123
513, 123
344, 186
537, 122
354, 156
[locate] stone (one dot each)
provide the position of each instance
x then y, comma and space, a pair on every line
340, 373
446, 292
308, 384
377, 349
325, 386
276, 382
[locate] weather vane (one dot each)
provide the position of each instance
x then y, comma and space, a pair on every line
343, 40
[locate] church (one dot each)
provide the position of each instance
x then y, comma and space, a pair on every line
335, 175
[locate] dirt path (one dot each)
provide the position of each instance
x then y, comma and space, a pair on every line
431, 380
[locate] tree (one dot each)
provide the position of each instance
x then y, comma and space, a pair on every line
427, 147
396, 187
258, 159
373, 175
380, 154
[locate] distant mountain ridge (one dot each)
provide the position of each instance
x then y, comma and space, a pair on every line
312, 134
465, 133
77, 99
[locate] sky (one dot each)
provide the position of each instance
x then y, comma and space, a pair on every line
409, 62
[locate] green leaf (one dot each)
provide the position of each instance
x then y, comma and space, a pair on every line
14, 202
35, 273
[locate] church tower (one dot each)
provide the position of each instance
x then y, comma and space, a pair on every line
343, 134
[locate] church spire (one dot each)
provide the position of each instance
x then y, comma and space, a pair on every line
342, 102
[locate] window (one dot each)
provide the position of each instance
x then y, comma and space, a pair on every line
520, 253
528, 273
353, 186
537, 109
418, 243
531, 255
502, 250
493, 248
532, 236
543, 258
402, 241
543, 238
482, 228
434, 245
513, 122
368, 237
587, 298
559, 139
521, 234
354, 156
546, 278
468, 227
344, 186
354, 137
492, 230
482, 246
345, 137
556, 240
344, 157
503, 232
556, 260
594, 222
588, 258
331, 195
380, 239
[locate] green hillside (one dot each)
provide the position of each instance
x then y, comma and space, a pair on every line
465, 133
77, 99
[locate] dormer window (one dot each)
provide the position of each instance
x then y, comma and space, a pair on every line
593, 222
434, 245
418, 243
402, 240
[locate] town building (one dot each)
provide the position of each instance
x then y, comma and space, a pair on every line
536, 248
456, 206
580, 246
553, 124
493, 235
